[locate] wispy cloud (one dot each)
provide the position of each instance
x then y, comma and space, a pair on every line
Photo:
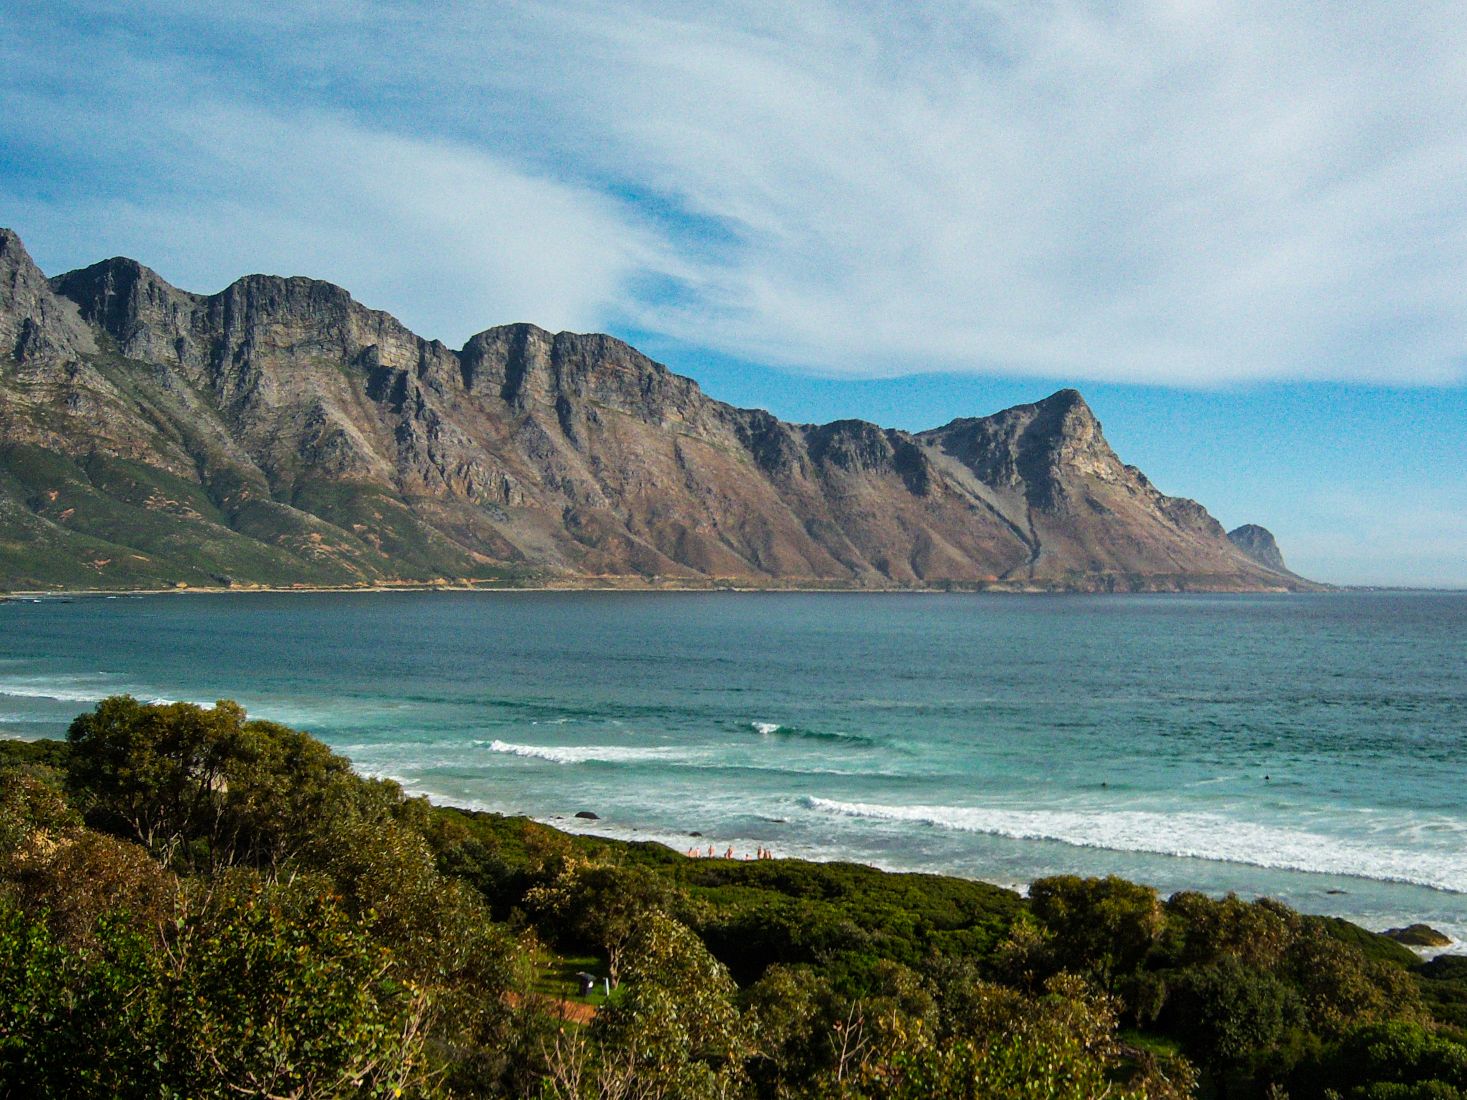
448, 235
1190, 193
1364, 535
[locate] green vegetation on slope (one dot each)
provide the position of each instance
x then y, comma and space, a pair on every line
194, 903
110, 523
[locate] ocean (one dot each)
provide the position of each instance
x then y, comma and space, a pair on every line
1309, 748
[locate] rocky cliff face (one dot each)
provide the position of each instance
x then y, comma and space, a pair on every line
34, 323
1259, 544
279, 432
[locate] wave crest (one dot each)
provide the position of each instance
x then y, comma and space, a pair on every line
775, 729
583, 754
1183, 835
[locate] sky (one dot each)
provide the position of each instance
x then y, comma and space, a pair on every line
1240, 229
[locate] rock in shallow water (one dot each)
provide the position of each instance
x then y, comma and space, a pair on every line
1419, 935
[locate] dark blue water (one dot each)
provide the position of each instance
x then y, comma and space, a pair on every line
1306, 747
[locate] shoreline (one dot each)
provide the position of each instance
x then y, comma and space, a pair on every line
569, 824
1148, 849
677, 843
628, 585
1026, 589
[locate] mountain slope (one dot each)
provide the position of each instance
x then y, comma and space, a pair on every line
278, 432
1259, 544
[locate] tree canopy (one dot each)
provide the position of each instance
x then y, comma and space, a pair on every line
197, 903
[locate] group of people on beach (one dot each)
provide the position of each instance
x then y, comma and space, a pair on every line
698, 853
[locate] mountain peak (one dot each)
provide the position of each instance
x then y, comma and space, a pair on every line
337, 446
34, 322
118, 295
1259, 544
1066, 413
514, 330
1061, 430
1067, 398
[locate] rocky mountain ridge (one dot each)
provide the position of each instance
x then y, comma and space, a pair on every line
1260, 545
279, 432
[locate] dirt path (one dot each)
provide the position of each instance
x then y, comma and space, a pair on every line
574, 1011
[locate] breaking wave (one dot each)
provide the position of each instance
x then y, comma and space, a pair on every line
774, 729
65, 691
1184, 835
75, 689
584, 754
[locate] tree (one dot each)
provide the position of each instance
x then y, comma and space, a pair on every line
674, 1032
1398, 1060
1201, 929
1229, 1014
440, 933
73, 878
76, 1022
1059, 1046
599, 906
272, 990
1101, 927
788, 1012
213, 786
28, 803
283, 789
1341, 989
259, 990
154, 772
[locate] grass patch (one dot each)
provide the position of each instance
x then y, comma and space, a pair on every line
557, 978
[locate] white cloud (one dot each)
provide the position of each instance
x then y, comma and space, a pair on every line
1185, 193
445, 235
1194, 193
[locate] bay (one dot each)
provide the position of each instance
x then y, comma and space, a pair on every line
1308, 748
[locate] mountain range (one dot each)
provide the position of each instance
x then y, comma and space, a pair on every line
279, 433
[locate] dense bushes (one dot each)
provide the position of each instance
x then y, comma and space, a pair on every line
259, 990
255, 918
212, 787
193, 903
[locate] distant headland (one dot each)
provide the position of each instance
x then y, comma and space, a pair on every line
278, 434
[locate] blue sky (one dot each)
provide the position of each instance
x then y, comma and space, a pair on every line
1240, 229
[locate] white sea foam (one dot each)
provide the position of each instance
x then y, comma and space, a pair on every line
74, 689
1187, 835
579, 754
88, 689
409, 754
63, 691
769, 729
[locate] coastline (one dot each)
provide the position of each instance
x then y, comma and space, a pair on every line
678, 844
635, 584
720, 730
44, 594
681, 845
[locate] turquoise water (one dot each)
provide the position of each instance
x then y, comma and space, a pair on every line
1306, 747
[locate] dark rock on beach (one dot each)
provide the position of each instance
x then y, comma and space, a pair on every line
588, 815
1419, 935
